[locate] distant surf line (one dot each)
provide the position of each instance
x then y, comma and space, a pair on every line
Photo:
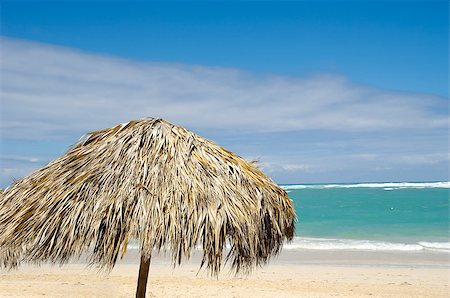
384, 185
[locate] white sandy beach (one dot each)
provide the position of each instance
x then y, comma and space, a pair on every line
292, 274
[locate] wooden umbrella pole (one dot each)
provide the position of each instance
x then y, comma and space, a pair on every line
143, 276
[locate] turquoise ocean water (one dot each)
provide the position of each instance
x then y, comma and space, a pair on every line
372, 216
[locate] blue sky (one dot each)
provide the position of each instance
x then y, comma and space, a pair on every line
316, 91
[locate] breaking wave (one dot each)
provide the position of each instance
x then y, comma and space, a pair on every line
385, 186
304, 243
300, 243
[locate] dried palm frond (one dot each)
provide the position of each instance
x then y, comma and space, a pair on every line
152, 181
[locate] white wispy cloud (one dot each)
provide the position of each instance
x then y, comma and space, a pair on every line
426, 159
280, 166
19, 158
307, 129
49, 91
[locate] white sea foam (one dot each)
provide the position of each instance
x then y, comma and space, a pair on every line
348, 244
300, 243
303, 243
444, 246
385, 186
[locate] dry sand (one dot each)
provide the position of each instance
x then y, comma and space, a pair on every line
293, 274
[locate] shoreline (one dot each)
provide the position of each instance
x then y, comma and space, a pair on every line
326, 258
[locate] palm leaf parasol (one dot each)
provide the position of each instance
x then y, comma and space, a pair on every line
151, 181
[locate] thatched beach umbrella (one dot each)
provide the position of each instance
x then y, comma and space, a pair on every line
151, 181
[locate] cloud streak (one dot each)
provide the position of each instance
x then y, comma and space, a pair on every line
54, 91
